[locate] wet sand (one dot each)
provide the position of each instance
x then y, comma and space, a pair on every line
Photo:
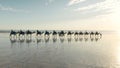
68, 52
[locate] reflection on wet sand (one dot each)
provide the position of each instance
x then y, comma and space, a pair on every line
60, 52
53, 40
34, 52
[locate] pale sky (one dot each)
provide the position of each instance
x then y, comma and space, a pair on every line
60, 14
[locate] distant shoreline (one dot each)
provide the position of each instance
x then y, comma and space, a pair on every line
8, 31
4, 31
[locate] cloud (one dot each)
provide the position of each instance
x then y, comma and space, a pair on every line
107, 4
3, 8
73, 2
100, 8
88, 9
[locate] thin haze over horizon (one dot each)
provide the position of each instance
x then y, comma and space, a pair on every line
60, 14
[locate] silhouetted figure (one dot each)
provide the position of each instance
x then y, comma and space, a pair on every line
29, 33
54, 33
86, 36
76, 34
69, 33
92, 34
21, 33
62, 33
81, 33
98, 34
86, 33
39, 33
47, 33
13, 34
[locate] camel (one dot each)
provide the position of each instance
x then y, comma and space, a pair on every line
98, 35
13, 33
47, 33
29, 33
95, 34
61, 33
70, 33
86, 33
76, 33
21, 33
92, 34
54, 33
80, 33
39, 33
